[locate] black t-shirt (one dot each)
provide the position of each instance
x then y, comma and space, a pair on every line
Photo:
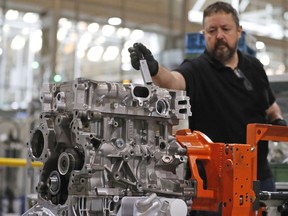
221, 102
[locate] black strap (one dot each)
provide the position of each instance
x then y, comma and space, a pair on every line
242, 76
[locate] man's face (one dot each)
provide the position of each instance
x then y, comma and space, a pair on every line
221, 34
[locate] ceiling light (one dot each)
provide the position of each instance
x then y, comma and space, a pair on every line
25, 31
80, 54
93, 27
123, 32
61, 34
30, 17
36, 46
12, 15
265, 59
269, 71
260, 45
63, 22
128, 43
14, 105
114, 21
137, 34
6, 28
35, 65
195, 16
57, 78
125, 56
108, 30
84, 41
111, 53
18, 42
281, 69
126, 67
94, 53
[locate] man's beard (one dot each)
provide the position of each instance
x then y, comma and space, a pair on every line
223, 55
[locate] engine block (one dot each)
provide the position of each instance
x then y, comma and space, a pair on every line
108, 149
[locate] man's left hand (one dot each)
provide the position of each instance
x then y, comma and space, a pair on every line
278, 121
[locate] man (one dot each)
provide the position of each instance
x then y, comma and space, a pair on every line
227, 88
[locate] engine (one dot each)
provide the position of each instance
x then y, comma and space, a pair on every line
108, 149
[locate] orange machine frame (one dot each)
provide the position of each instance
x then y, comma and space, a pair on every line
230, 169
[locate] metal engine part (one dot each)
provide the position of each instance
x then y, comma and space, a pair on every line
101, 142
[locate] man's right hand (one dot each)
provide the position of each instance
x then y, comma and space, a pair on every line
139, 51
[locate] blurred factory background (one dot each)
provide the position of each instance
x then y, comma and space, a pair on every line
58, 40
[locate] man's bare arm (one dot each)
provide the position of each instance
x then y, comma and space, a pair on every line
169, 79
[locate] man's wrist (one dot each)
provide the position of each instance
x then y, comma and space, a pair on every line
279, 121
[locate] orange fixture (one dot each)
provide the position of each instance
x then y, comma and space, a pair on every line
230, 169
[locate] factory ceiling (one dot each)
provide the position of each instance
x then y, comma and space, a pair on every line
267, 19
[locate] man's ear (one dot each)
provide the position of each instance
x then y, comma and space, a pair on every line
240, 29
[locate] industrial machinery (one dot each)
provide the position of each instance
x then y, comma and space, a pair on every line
109, 149
107, 146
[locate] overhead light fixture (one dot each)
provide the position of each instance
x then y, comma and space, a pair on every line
128, 43
260, 45
281, 69
195, 16
126, 67
61, 34
6, 28
57, 78
108, 30
64, 22
93, 27
125, 56
36, 45
11, 14
35, 65
137, 34
25, 31
80, 54
114, 21
14, 105
110, 53
18, 42
272, 30
30, 17
123, 32
269, 71
94, 53
264, 59
85, 40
